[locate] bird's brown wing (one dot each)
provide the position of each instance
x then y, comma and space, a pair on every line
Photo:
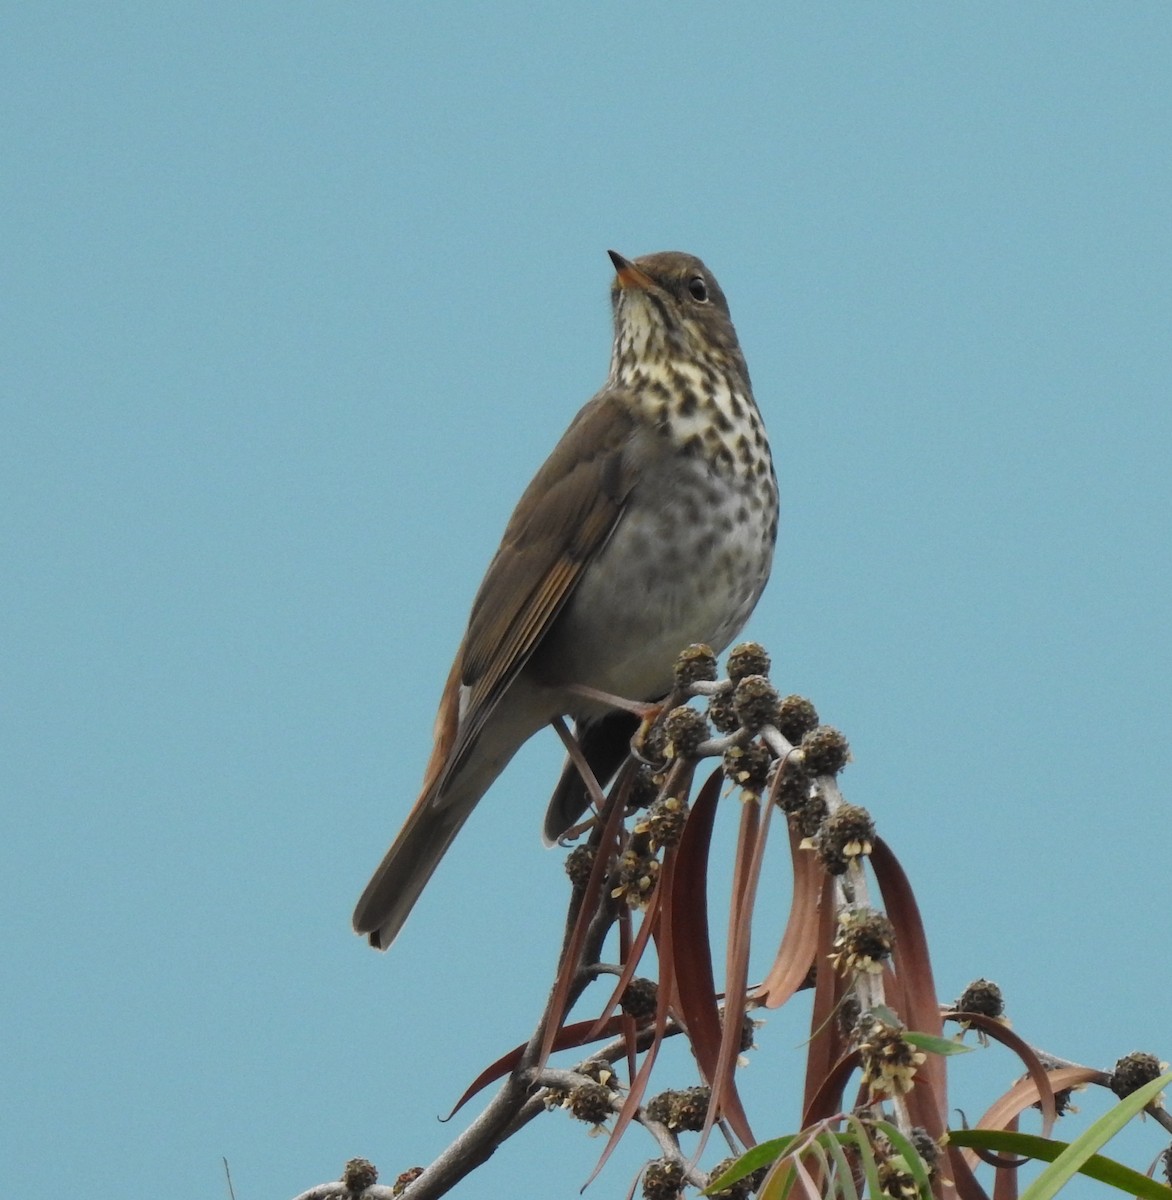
561, 522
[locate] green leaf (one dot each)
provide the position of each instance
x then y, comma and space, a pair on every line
935, 1045
1068, 1159
845, 1183
862, 1140
1105, 1170
760, 1155
910, 1155
1075, 1156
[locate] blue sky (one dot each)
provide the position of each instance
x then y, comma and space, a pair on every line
296, 298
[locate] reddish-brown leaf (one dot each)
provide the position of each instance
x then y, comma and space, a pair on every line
967, 1186
826, 1045
631, 954
826, 1101
799, 942
663, 937
591, 898
919, 1006
725, 1099
582, 1033
1040, 1079
687, 915
1026, 1093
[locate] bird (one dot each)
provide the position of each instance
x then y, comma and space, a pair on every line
650, 527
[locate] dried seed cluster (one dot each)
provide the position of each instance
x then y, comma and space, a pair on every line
748, 767
635, 874
663, 1180
652, 745
796, 716
1132, 1071
590, 1102
359, 1174
845, 835
982, 997
864, 941
664, 822
755, 701
579, 863
697, 664
894, 1177
685, 1109
405, 1179
743, 1188
685, 728
721, 712
748, 658
926, 1147
825, 751
600, 1070
889, 1062
645, 785
640, 999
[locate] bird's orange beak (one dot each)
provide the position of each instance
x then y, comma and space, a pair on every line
630, 276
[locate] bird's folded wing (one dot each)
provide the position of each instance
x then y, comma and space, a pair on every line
563, 520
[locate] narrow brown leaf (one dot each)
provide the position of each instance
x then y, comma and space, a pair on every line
1026, 1093
591, 898
913, 966
1005, 1179
663, 938
826, 1045
1040, 1078
799, 942
582, 1033
687, 915
967, 1185
725, 1098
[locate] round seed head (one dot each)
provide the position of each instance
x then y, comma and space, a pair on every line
755, 702
405, 1179
590, 1102
359, 1174
721, 712
691, 1109
864, 941
795, 718
579, 863
644, 789
845, 835
640, 999
825, 750
748, 766
1133, 1071
982, 996
685, 728
662, 1180
697, 664
659, 1108
664, 821
749, 658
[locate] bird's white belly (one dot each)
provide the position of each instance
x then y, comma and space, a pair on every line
687, 567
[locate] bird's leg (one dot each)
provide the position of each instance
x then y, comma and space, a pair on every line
638, 707
593, 787
647, 712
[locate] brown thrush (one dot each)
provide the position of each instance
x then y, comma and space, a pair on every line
651, 526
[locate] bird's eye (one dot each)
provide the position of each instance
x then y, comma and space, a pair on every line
698, 289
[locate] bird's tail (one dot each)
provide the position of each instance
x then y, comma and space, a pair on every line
445, 802
433, 823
